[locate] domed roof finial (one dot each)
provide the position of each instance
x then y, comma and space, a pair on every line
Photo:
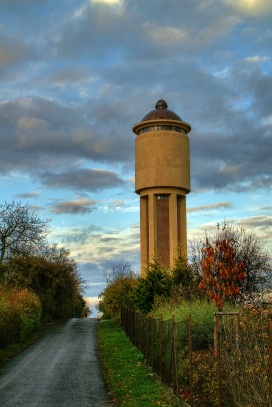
161, 104
161, 112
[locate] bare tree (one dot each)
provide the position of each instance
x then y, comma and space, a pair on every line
118, 270
21, 231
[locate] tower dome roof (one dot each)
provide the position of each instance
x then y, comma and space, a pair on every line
161, 112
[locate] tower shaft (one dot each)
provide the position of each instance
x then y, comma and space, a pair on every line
162, 179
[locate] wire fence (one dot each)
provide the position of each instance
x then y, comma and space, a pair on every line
234, 368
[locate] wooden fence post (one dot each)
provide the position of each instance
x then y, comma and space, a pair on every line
270, 360
217, 354
174, 350
191, 360
152, 343
161, 347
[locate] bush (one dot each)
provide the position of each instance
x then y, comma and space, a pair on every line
204, 378
185, 283
10, 325
202, 313
53, 278
118, 292
245, 358
20, 315
30, 312
157, 284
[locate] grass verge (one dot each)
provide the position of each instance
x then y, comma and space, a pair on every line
128, 378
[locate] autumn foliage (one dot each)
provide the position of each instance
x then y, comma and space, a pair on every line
20, 314
222, 274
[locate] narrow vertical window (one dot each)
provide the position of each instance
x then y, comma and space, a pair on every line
163, 244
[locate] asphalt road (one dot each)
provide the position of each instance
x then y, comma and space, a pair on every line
60, 370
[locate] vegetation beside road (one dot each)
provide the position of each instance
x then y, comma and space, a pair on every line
230, 272
39, 282
229, 267
129, 380
14, 349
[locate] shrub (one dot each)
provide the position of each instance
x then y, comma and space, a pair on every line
10, 324
204, 378
245, 358
202, 313
117, 294
20, 315
156, 284
185, 283
30, 312
53, 278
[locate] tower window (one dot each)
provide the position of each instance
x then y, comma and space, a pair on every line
162, 197
156, 128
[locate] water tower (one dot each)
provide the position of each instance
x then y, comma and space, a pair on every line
162, 179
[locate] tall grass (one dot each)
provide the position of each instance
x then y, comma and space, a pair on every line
202, 314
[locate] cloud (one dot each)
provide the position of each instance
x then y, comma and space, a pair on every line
110, 2
266, 208
230, 149
27, 195
80, 206
14, 53
165, 35
218, 205
104, 245
261, 226
82, 179
255, 8
257, 59
71, 77
37, 130
258, 221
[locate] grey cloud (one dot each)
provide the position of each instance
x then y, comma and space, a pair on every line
36, 208
27, 195
266, 208
73, 207
82, 179
36, 130
231, 133
109, 239
80, 235
14, 53
71, 76
218, 205
258, 222
107, 34
235, 162
230, 140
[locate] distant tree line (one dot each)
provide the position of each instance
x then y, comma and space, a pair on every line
230, 266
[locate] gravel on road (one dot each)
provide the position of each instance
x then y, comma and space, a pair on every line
62, 369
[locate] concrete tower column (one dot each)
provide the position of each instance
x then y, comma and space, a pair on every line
162, 179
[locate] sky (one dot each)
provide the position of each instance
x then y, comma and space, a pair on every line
76, 75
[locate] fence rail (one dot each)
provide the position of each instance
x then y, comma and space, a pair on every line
232, 369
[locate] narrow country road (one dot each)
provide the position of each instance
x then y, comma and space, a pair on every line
60, 370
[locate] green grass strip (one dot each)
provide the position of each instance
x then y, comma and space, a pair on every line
129, 379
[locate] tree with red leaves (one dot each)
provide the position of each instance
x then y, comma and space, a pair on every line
221, 273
